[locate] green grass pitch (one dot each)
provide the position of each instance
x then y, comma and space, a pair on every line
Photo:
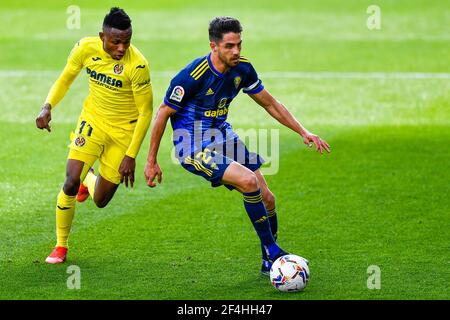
381, 98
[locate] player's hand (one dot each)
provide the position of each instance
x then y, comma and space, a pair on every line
44, 118
310, 139
126, 170
151, 171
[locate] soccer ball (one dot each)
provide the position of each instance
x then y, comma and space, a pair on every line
289, 273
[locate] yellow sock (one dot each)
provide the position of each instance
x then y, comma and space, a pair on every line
90, 181
65, 210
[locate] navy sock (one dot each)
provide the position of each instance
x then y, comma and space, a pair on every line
257, 213
273, 221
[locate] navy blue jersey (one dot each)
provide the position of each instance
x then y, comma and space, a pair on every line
201, 95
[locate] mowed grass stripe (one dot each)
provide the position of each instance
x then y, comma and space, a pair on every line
270, 74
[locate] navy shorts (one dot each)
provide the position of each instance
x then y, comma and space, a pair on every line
211, 162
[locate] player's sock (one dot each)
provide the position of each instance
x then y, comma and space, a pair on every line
65, 209
273, 221
257, 212
90, 181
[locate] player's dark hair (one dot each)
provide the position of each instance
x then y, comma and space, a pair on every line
117, 18
221, 25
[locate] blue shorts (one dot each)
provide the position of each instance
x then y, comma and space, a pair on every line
211, 162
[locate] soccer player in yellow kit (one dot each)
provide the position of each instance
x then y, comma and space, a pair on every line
114, 120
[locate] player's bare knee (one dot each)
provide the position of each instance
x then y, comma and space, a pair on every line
71, 185
101, 202
249, 182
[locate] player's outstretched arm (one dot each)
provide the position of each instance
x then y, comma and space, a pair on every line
152, 169
59, 88
279, 112
57, 92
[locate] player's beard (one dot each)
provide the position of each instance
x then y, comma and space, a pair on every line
229, 63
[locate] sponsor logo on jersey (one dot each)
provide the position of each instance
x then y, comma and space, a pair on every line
216, 113
222, 103
177, 94
143, 83
118, 68
220, 111
101, 77
209, 92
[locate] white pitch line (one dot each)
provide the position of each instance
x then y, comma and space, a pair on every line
266, 75
355, 75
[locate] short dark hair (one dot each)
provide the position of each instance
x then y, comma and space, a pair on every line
117, 18
221, 25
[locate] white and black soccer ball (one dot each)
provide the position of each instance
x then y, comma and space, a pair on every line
289, 273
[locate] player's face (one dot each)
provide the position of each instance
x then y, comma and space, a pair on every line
116, 42
229, 49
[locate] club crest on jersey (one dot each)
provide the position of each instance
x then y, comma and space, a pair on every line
177, 94
237, 81
118, 68
80, 141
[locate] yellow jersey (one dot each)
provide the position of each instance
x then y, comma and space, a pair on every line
120, 91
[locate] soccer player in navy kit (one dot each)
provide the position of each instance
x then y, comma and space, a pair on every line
197, 103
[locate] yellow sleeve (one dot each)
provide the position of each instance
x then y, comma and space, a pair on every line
143, 97
73, 66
